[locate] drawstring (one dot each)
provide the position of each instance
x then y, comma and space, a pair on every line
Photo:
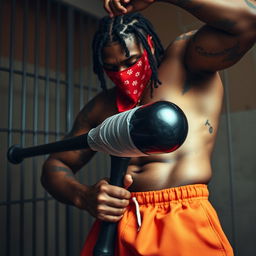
138, 216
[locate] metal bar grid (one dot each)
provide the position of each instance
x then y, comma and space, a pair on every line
32, 200
81, 103
1, 28
51, 79
10, 122
36, 127
34, 132
46, 112
69, 112
57, 111
23, 122
35, 124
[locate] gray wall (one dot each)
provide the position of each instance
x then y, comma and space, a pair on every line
234, 179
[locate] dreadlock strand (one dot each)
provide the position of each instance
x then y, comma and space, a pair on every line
119, 36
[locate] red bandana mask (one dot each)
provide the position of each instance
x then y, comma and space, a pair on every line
131, 82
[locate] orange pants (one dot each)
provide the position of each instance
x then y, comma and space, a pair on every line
178, 221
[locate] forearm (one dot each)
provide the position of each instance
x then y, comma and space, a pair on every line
234, 16
61, 183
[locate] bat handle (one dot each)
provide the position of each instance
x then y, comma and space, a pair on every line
16, 154
105, 245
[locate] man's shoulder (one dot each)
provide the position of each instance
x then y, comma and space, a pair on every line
105, 98
101, 106
178, 46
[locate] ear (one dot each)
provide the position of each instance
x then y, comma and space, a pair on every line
151, 43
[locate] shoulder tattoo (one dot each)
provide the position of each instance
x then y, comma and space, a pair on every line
251, 3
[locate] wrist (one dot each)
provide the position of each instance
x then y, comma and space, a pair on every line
80, 195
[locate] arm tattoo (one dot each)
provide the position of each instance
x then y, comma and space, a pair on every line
68, 172
251, 4
232, 53
207, 123
224, 24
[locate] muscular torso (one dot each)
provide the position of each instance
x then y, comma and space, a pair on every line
200, 97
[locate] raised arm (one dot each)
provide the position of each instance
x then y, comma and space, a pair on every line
230, 29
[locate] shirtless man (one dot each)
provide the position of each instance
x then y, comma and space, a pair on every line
186, 73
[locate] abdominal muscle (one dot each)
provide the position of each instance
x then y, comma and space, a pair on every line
158, 172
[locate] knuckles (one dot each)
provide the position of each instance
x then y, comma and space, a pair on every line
125, 202
103, 188
101, 199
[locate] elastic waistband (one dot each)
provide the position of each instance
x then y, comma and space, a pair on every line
172, 194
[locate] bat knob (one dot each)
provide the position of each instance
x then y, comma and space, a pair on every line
13, 154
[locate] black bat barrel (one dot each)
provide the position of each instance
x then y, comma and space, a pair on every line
160, 127
16, 154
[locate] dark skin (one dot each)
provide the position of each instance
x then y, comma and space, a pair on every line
190, 79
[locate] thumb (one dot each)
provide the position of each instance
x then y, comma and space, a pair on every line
128, 181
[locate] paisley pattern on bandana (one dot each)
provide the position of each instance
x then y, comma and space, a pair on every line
131, 83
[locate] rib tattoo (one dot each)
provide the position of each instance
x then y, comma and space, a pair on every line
207, 123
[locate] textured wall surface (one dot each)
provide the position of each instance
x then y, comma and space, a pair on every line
239, 170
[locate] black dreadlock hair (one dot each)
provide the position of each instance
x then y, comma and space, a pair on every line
119, 28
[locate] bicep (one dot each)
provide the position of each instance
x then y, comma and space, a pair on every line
211, 49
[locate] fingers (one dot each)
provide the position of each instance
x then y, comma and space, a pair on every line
107, 8
115, 7
114, 191
110, 208
108, 213
110, 202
